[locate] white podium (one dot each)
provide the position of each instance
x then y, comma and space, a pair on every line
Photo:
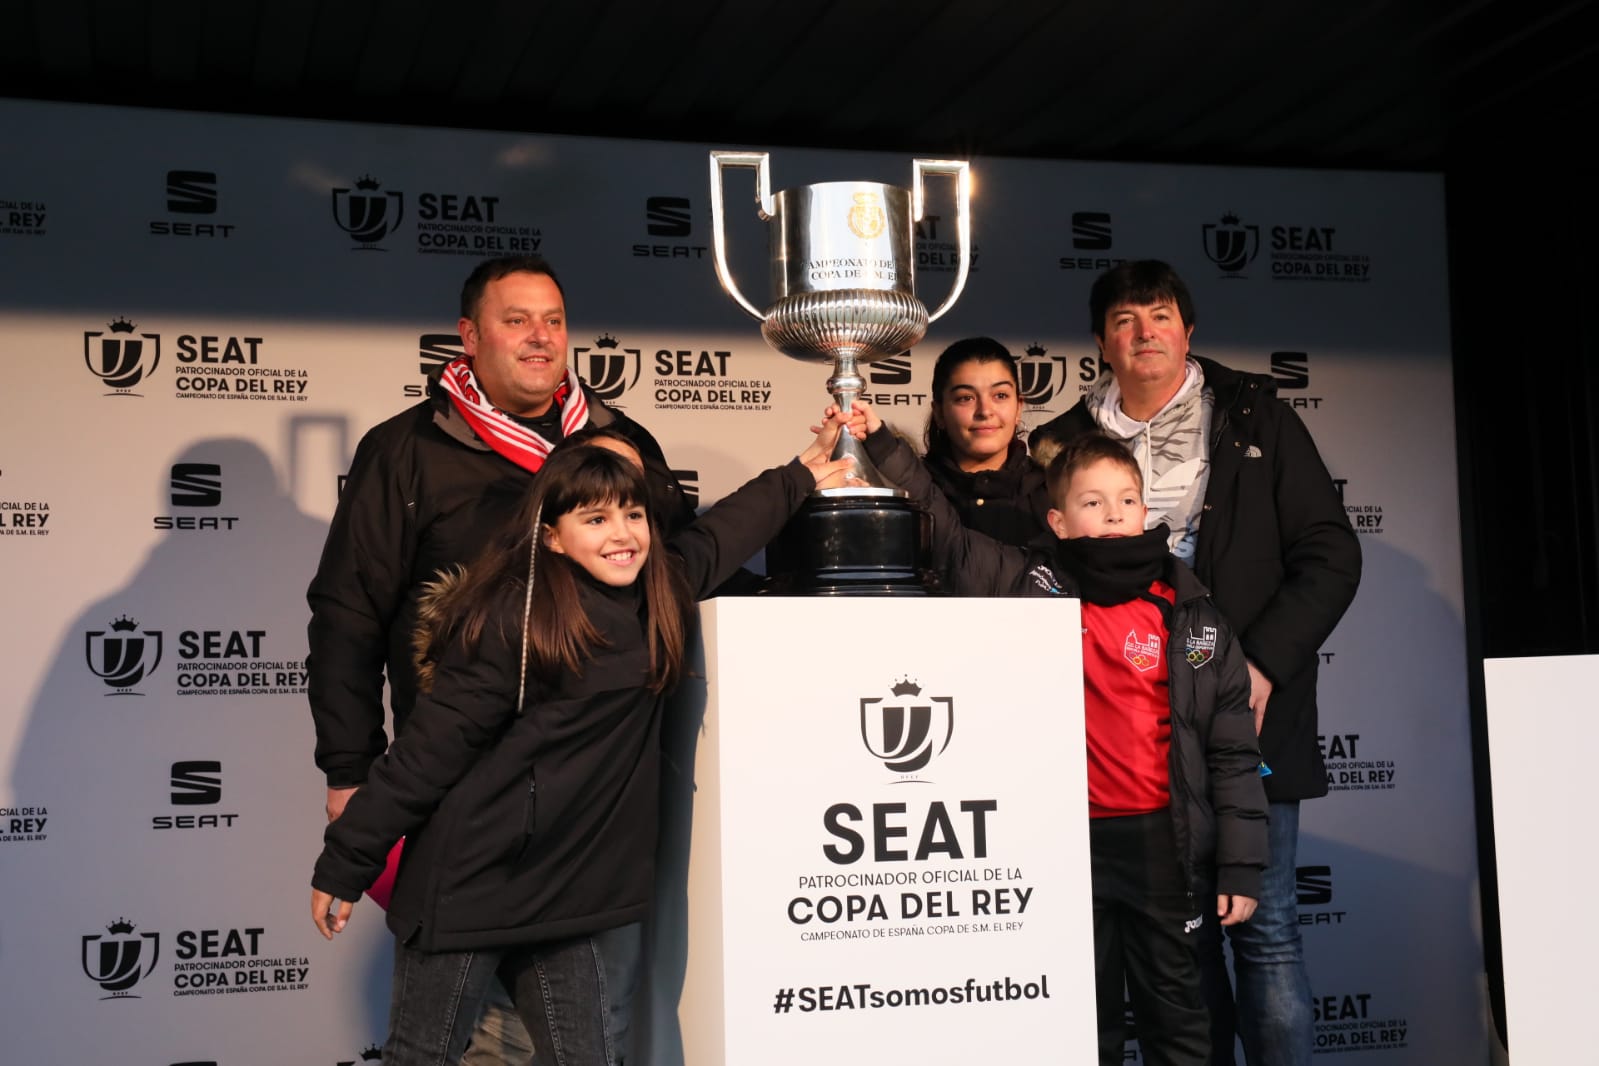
1542, 733
888, 844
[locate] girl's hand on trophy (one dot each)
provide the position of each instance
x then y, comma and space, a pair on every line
826, 438
860, 421
835, 474
830, 473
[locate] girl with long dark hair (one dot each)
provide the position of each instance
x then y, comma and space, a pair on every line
526, 781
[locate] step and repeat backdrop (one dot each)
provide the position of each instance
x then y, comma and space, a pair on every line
201, 315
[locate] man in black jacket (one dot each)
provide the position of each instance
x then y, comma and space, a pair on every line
426, 490
1235, 475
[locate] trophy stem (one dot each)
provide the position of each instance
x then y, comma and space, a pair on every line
845, 385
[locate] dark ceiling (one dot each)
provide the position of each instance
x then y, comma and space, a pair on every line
1372, 84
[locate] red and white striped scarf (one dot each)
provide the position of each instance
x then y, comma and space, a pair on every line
499, 430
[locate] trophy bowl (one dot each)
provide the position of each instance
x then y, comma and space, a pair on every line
866, 323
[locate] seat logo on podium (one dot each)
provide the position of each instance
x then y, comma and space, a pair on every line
910, 731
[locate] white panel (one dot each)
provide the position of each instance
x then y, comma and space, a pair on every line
1542, 732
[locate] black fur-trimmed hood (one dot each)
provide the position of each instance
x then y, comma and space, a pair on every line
434, 603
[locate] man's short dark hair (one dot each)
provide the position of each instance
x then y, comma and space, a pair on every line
495, 269
1082, 452
1137, 281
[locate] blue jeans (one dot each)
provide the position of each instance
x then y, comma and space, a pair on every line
1271, 1008
575, 997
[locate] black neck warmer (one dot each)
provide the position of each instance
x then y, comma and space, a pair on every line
1112, 570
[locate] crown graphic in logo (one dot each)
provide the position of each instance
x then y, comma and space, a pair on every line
906, 687
372, 1054
366, 181
605, 340
121, 325
1229, 219
120, 927
1035, 349
124, 625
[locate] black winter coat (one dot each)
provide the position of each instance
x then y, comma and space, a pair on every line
1277, 552
531, 826
1010, 504
1218, 807
423, 494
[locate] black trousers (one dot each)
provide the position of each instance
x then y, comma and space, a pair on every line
1144, 919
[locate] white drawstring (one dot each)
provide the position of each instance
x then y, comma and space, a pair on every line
527, 608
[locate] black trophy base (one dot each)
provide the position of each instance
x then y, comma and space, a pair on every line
853, 545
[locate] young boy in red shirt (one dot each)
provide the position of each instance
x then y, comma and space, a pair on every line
1174, 794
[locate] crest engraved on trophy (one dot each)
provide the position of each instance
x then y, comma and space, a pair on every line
843, 283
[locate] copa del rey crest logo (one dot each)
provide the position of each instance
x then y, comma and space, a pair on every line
121, 960
372, 1053
1200, 649
1230, 243
124, 656
366, 213
122, 358
908, 730
608, 368
1042, 375
866, 217
1144, 654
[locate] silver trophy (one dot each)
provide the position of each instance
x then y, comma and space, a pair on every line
843, 279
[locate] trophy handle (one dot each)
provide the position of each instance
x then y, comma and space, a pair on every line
961, 171
759, 162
